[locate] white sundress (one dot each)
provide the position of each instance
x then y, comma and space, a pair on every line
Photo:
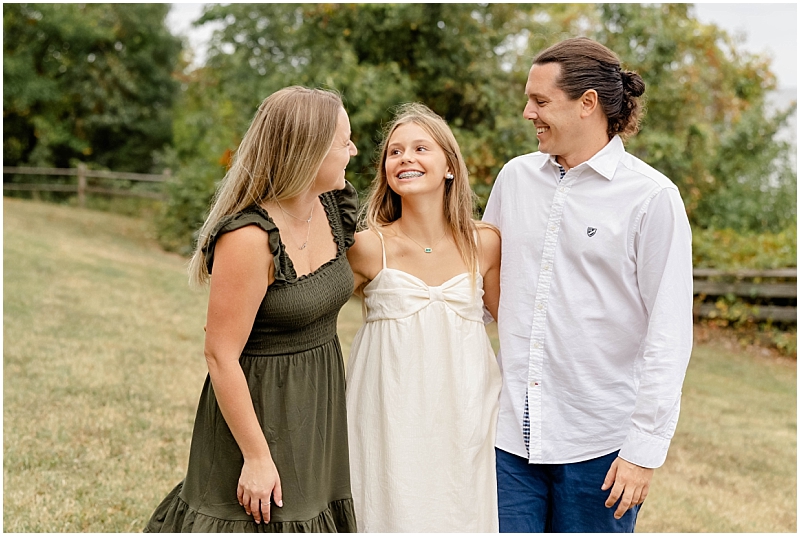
422, 401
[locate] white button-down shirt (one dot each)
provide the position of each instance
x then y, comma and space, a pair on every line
595, 317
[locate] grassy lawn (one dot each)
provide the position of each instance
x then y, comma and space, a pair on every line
103, 365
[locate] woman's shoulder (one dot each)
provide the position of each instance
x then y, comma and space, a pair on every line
244, 243
250, 227
249, 216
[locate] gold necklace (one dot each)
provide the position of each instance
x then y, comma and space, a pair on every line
426, 250
308, 221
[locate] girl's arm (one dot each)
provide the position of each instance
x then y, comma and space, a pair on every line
242, 271
490, 265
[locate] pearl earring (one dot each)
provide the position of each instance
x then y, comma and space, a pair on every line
449, 176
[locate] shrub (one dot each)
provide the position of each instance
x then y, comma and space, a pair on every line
728, 249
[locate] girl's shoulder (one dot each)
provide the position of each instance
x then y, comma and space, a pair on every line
366, 238
365, 257
487, 231
488, 238
367, 245
374, 235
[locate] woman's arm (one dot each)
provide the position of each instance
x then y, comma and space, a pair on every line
366, 259
242, 271
490, 264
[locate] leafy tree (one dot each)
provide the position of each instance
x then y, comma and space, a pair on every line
376, 55
469, 63
208, 125
463, 60
706, 127
89, 82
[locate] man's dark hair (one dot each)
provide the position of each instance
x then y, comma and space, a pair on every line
585, 65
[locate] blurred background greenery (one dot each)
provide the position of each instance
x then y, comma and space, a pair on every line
109, 85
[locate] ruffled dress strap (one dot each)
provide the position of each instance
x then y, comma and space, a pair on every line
253, 215
344, 203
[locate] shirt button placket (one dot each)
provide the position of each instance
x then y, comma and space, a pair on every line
536, 355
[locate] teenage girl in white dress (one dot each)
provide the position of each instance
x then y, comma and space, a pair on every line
422, 379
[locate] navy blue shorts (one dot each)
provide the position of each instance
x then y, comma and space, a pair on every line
557, 497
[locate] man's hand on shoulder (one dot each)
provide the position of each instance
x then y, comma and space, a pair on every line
629, 481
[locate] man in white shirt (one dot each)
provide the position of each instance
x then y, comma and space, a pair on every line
595, 316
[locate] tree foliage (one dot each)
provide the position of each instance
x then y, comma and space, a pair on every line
458, 59
706, 126
466, 61
102, 83
88, 82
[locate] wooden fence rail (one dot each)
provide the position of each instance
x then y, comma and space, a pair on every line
82, 187
761, 288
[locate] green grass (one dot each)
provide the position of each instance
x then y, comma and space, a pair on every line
733, 462
103, 366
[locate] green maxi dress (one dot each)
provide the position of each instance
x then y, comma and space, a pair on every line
295, 372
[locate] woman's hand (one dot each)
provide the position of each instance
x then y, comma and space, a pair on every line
258, 482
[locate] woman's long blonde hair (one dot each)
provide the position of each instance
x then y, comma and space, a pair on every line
384, 205
278, 158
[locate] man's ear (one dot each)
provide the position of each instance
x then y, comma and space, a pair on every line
589, 102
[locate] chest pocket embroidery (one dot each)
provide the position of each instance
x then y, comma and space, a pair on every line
591, 231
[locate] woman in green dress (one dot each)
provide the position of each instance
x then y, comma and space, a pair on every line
269, 448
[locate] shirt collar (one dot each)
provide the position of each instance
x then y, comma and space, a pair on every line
603, 162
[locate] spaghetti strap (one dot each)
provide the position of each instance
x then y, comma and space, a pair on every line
383, 254
383, 247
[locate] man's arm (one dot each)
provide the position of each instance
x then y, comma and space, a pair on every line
664, 273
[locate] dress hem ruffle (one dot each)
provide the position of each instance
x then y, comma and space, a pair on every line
175, 515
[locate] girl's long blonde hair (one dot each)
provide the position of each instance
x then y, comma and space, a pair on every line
278, 158
384, 206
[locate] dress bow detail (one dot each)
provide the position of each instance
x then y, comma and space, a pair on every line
456, 294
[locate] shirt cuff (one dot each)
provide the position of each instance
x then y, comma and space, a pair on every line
644, 450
